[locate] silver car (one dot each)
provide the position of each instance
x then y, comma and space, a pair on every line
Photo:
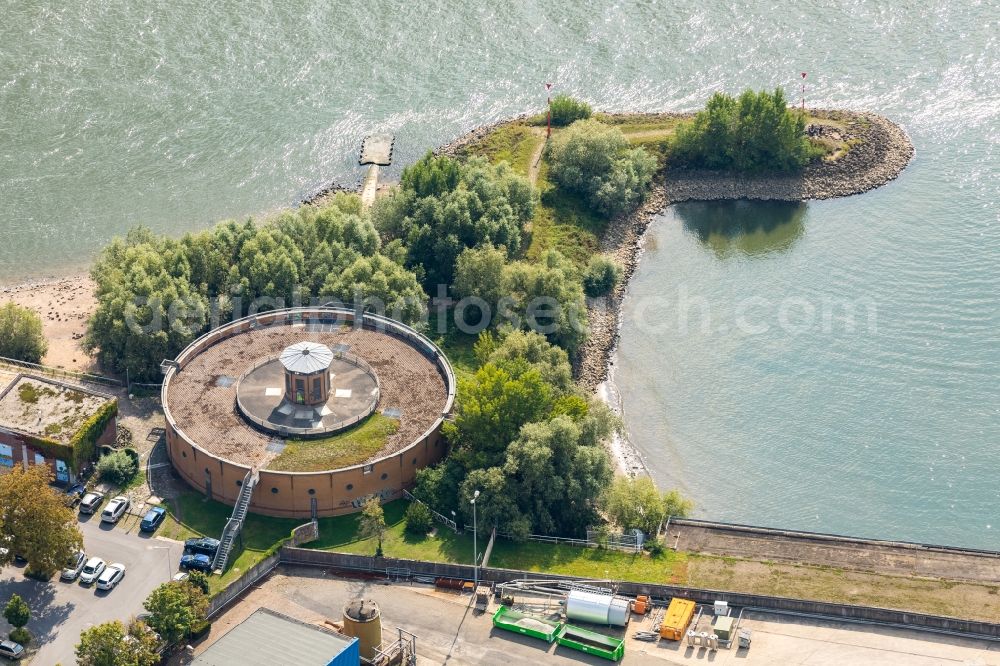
115, 509
74, 566
11, 650
94, 567
112, 575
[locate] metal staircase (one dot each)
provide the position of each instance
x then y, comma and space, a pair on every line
235, 523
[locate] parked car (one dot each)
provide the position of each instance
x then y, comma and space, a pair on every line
91, 501
11, 650
74, 492
199, 562
74, 566
94, 567
152, 519
112, 575
202, 546
115, 509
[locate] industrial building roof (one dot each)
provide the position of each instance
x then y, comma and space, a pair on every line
267, 638
306, 357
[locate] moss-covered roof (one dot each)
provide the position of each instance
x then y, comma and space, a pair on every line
46, 408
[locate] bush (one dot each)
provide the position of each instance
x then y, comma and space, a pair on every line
755, 133
21, 334
600, 276
566, 110
418, 519
199, 629
20, 635
654, 547
118, 468
594, 161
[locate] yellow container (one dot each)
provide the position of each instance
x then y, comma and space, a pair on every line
676, 619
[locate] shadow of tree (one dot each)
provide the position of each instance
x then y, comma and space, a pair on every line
46, 616
744, 228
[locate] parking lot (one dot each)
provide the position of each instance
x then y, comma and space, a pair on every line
61, 610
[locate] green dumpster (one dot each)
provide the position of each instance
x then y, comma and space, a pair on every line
591, 642
529, 625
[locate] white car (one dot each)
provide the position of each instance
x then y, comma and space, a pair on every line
74, 566
115, 509
94, 567
111, 576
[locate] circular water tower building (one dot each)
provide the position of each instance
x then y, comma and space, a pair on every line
323, 408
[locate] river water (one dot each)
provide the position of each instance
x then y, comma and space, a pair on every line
176, 114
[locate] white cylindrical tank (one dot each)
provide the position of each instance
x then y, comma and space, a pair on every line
692, 637
597, 608
713, 642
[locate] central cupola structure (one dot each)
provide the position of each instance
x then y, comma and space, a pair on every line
307, 373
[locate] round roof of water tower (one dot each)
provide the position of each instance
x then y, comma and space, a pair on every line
305, 358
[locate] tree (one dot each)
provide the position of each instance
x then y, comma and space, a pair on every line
199, 580
552, 362
555, 471
156, 294
638, 503
566, 110
174, 607
372, 524
419, 520
16, 611
594, 161
21, 334
479, 274
600, 276
380, 283
546, 296
755, 133
117, 467
675, 505
443, 207
634, 504
34, 521
494, 404
114, 644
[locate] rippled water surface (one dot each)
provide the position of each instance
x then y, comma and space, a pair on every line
177, 114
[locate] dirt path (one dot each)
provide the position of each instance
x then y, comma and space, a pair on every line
536, 157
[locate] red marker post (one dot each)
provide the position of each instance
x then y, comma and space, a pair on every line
548, 115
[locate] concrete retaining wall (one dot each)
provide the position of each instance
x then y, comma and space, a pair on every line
916, 621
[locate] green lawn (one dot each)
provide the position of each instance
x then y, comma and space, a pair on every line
340, 534
457, 346
514, 144
350, 447
191, 515
563, 222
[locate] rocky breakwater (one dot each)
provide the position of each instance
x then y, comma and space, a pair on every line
878, 151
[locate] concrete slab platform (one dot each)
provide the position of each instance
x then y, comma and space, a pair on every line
377, 149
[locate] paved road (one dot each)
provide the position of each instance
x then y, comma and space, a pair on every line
60, 610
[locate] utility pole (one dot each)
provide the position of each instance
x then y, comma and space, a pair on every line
475, 546
803, 93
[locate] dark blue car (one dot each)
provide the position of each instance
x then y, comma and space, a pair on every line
198, 562
152, 519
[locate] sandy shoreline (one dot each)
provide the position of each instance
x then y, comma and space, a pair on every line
64, 304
